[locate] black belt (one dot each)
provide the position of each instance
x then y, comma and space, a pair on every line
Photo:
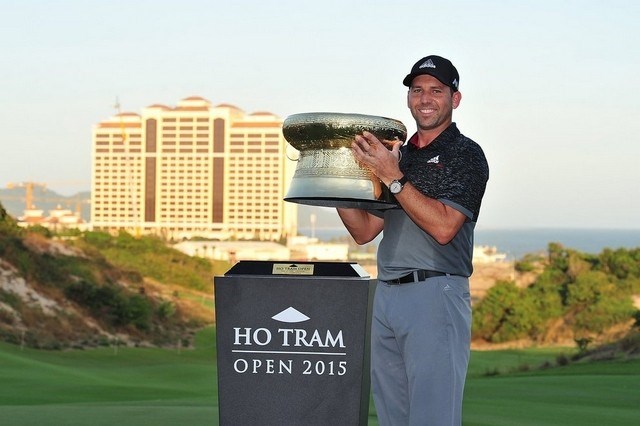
417, 276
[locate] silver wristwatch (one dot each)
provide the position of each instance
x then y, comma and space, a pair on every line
396, 185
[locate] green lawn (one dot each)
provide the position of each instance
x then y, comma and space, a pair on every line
168, 387
134, 386
602, 394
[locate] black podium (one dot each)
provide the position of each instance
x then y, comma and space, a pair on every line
293, 343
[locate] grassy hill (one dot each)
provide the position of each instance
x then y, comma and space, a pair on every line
92, 289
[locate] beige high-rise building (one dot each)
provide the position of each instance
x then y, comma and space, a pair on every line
192, 170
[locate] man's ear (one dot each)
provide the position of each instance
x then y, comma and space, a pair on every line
457, 97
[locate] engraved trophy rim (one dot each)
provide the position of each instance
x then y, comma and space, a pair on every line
310, 130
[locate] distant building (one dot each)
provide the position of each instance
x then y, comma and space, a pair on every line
487, 254
311, 249
234, 251
58, 219
192, 170
298, 248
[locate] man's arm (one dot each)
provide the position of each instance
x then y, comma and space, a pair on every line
362, 226
440, 221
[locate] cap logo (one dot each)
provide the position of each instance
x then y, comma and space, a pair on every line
427, 64
455, 82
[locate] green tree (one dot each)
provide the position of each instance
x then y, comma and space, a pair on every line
577, 264
558, 257
505, 313
622, 263
546, 297
597, 303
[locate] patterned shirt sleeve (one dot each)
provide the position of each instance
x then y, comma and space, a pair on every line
466, 177
453, 169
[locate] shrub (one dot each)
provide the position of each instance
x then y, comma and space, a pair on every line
524, 266
582, 343
166, 309
597, 303
113, 304
562, 360
40, 230
505, 313
6, 317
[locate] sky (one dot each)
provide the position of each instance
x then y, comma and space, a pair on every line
550, 88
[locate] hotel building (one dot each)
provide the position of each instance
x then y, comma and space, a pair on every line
192, 170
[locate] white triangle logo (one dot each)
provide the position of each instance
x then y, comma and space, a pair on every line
290, 315
427, 64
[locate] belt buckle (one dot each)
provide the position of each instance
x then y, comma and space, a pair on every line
411, 277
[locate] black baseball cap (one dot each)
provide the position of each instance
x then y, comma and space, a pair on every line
437, 66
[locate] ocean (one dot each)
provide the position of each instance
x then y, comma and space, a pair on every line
518, 242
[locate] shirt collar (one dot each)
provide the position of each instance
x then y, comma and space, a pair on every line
447, 135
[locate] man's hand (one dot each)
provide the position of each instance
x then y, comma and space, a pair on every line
376, 156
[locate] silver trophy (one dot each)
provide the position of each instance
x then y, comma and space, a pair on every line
327, 174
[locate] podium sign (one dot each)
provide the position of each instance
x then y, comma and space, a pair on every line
292, 344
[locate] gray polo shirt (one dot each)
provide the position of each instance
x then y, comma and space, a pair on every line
453, 170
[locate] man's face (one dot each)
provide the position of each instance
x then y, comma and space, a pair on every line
431, 102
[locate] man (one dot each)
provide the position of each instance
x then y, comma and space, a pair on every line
422, 310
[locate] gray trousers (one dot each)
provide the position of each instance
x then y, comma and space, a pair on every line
420, 344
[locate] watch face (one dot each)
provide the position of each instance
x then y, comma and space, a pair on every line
395, 187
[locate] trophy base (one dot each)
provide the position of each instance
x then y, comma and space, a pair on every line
346, 203
326, 191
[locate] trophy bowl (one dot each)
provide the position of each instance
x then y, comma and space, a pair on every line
327, 173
